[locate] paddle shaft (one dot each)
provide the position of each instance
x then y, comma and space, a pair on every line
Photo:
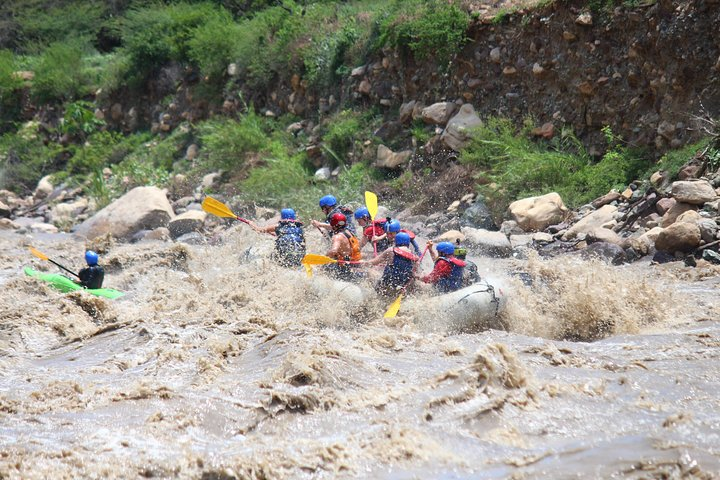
66, 269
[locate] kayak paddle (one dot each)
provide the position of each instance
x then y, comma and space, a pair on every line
216, 207
42, 256
394, 307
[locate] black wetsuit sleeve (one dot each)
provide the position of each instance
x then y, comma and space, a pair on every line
92, 277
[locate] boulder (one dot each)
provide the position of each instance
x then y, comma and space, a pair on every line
406, 111
611, 196
537, 213
450, 236
604, 235
455, 135
590, 222
5, 210
693, 192
43, 228
691, 216
605, 251
711, 256
678, 237
675, 211
438, 113
478, 216
190, 221
386, 158
142, 208
664, 204
708, 229
493, 244
7, 224
523, 240
44, 188
65, 213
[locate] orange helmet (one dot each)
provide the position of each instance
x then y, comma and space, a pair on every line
338, 221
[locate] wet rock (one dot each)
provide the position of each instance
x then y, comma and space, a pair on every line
693, 192
708, 230
438, 113
675, 211
663, 257
590, 222
386, 158
711, 256
192, 238
478, 216
605, 251
537, 213
190, 221
523, 240
510, 227
140, 208
456, 134
679, 237
493, 244
44, 188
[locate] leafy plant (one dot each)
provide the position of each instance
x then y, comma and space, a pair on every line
226, 142
342, 132
59, 73
25, 159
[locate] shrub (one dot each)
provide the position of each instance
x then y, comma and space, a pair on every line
59, 73
226, 142
429, 28
342, 132
213, 45
25, 159
9, 86
674, 160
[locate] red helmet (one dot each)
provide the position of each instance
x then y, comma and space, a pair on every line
338, 221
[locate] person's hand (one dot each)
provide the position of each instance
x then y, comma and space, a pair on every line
314, 223
430, 243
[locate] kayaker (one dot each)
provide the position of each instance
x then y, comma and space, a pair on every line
447, 275
91, 276
392, 228
400, 267
329, 206
290, 242
345, 248
372, 229
470, 272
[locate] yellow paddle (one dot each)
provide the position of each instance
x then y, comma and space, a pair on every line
371, 204
42, 256
308, 270
216, 207
315, 259
394, 307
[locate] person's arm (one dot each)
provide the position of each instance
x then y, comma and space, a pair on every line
415, 247
324, 226
433, 253
441, 270
384, 257
335, 247
266, 229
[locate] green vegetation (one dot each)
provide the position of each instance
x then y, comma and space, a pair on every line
25, 159
520, 167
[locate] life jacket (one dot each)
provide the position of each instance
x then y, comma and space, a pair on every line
399, 272
92, 277
453, 281
377, 229
355, 256
290, 236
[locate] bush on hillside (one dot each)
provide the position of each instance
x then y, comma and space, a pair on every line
213, 45
59, 73
226, 142
25, 159
10, 84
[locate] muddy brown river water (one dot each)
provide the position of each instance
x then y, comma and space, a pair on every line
220, 365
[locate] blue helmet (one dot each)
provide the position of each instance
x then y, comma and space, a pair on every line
91, 258
328, 201
402, 239
392, 227
446, 248
362, 212
287, 214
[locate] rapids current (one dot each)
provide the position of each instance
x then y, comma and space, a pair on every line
217, 364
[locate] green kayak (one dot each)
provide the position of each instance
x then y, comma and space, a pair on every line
65, 285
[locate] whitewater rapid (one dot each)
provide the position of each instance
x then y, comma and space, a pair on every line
217, 364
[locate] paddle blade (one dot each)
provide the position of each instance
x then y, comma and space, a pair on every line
217, 208
371, 204
308, 270
314, 259
38, 254
394, 308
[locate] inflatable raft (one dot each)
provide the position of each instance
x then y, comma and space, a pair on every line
473, 308
66, 285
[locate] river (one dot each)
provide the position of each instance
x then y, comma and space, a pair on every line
218, 364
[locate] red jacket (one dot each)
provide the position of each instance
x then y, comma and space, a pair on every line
441, 270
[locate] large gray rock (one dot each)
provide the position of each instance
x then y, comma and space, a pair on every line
438, 113
693, 192
478, 216
493, 244
537, 213
142, 208
190, 221
456, 134
679, 237
708, 229
386, 158
605, 251
590, 222
63, 214
677, 209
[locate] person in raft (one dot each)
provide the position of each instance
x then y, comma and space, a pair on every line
329, 206
372, 229
345, 248
447, 275
470, 272
91, 276
392, 228
290, 241
401, 264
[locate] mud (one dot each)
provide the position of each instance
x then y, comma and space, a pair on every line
218, 364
